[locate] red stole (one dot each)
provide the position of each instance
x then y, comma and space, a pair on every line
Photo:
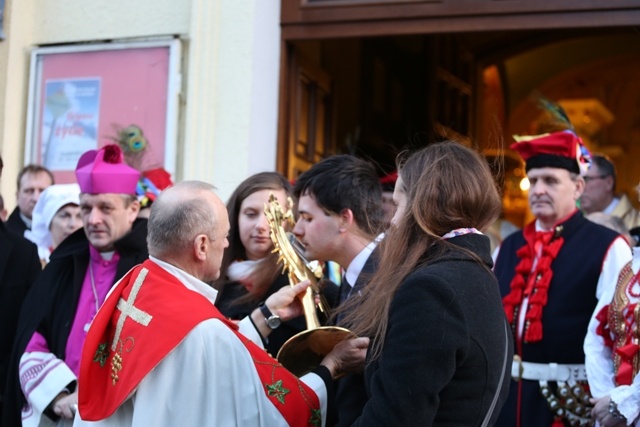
150, 312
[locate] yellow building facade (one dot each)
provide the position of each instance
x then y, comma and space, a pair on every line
225, 93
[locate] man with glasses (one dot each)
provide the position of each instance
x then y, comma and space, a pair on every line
599, 193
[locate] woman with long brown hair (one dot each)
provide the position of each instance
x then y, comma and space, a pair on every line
440, 352
250, 272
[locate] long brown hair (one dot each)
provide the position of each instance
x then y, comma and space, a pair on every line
447, 186
268, 269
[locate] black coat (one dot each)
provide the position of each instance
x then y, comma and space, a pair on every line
19, 268
15, 223
443, 358
350, 391
50, 305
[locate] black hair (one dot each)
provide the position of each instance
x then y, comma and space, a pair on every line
345, 182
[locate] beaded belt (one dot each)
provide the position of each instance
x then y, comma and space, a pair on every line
562, 385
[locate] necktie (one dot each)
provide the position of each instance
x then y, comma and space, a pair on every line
345, 290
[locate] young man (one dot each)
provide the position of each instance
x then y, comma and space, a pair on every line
340, 218
57, 313
551, 275
32, 180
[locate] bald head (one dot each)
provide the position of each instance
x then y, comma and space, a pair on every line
179, 214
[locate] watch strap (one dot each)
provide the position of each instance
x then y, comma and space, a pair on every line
265, 311
272, 320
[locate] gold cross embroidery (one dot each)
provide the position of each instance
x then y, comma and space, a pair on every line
127, 309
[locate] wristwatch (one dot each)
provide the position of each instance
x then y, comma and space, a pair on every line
273, 320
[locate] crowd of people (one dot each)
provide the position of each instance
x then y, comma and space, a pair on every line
174, 316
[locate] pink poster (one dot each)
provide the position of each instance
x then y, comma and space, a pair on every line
90, 99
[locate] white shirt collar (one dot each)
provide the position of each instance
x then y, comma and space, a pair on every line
539, 226
356, 266
612, 206
26, 220
188, 280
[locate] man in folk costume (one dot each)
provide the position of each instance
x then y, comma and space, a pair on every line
612, 356
159, 353
56, 314
551, 275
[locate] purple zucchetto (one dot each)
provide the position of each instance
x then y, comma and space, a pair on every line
104, 171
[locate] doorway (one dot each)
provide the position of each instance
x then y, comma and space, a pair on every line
385, 94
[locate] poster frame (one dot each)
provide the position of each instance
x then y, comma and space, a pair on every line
38, 60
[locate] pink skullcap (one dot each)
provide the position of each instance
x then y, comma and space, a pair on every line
104, 171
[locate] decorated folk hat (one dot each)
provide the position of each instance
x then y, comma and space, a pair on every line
104, 171
563, 150
151, 183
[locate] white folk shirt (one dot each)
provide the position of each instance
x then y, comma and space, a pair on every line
599, 360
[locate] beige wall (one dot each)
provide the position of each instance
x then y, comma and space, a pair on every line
64, 21
228, 99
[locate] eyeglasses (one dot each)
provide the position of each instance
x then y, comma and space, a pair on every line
591, 178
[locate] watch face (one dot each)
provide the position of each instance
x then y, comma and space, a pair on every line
273, 322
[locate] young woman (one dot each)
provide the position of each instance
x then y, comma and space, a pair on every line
250, 272
440, 351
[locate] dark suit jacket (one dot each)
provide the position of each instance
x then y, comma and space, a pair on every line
19, 267
349, 390
15, 223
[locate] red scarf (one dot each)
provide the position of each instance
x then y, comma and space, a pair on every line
165, 312
530, 282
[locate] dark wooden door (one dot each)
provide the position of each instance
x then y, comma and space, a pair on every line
310, 115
